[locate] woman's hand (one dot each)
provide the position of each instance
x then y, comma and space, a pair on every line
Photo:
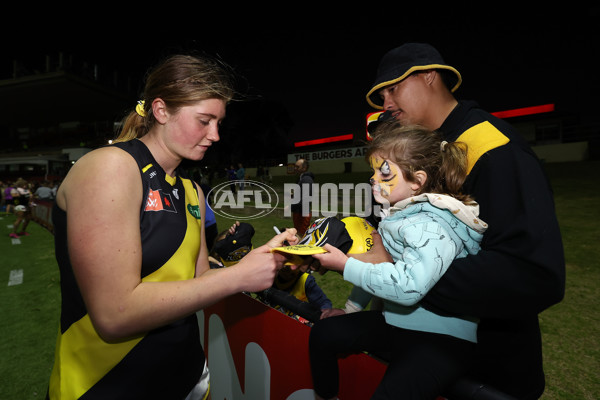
289, 236
258, 269
260, 266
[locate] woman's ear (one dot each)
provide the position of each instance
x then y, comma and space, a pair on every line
419, 181
159, 110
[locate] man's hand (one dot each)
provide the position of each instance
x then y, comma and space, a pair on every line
331, 312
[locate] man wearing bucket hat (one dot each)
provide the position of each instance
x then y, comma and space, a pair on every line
520, 270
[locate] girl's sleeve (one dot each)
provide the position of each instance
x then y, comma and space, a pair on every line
428, 252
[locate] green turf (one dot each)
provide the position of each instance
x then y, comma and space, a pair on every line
571, 329
30, 311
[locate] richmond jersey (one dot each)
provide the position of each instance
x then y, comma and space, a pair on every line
164, 363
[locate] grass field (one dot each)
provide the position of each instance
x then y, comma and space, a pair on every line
571, 330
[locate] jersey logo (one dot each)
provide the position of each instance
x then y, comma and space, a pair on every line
194, 211
159, 201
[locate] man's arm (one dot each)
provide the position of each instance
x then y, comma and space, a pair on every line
520, 269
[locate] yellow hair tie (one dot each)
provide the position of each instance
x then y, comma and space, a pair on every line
140, 108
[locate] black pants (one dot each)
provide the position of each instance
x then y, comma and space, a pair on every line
421, 365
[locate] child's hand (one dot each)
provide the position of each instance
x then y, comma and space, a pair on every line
233, 227
334, 259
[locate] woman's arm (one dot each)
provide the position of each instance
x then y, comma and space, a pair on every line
102, 196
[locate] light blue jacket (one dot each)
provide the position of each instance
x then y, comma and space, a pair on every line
423, 234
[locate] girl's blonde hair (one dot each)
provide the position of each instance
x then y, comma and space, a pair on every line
180, 80
415, 148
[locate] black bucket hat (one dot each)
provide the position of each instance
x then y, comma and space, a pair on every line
402, 61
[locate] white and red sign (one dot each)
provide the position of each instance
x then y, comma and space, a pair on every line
256, 352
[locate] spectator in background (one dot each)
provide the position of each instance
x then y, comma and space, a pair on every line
44, 192
260, 173
268, 179
10, 192
232, 177
303, 286
240, 174
3, 187
23, 203
302, 210
55, 188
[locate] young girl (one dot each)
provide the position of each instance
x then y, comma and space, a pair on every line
426, 223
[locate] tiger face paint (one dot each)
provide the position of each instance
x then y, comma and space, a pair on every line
387, 182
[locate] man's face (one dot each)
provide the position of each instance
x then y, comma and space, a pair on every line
407, 99
299, 167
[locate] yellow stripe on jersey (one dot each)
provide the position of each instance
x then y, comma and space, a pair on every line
84, 372
86, 368
480, 139
173, 269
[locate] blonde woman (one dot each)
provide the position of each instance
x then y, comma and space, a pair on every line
130, 244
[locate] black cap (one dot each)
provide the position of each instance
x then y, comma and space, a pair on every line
402, 61
232, 248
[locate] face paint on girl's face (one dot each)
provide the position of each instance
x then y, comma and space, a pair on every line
388, 183
384, 179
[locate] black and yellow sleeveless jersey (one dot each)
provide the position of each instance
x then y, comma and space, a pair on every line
161, 364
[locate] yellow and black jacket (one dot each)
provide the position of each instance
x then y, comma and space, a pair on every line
520, 269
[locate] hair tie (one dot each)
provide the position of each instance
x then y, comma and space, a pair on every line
443, 145
140, 108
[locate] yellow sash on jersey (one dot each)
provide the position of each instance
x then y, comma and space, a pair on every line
81, 354
480, 139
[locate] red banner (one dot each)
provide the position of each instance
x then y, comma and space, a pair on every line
256, 352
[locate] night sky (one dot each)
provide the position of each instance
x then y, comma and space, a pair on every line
318, 67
